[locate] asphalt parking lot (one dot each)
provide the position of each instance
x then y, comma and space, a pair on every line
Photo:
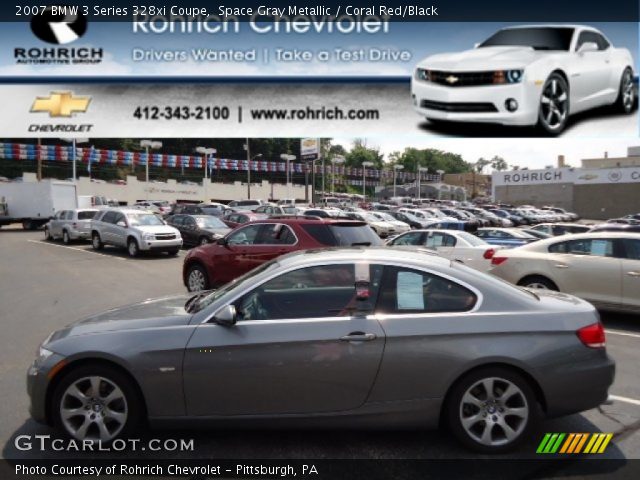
46, 285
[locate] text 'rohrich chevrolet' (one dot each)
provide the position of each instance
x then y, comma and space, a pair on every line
345, 337
526, 75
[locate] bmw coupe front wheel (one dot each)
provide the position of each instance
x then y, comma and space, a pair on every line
553, 111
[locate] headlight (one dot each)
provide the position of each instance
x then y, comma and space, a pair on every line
43, 354
507, 76
149, 236
423, 74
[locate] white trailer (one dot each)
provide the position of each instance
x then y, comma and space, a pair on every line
34, 203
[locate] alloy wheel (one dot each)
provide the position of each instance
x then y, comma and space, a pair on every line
539, 285
204, 241
628, 91
196, 280
93, 408
133, 248
494, 411
554, 104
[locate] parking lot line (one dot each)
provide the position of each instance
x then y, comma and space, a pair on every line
632, 401
623, 334
40, 242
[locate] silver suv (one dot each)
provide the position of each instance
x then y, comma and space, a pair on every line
137, 230
70, 225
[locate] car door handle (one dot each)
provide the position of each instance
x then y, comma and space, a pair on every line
358, 337
633, 274
561, 265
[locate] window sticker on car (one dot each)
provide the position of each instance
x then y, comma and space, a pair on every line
409, 291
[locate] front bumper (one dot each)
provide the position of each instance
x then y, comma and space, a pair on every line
160, 245
37, 386
485, 104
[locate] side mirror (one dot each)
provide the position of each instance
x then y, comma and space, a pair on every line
226, 316
121, 224
588, 47
476, 45
222, 241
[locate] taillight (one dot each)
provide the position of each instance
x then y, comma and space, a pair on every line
592, 335
498, 260
488, 255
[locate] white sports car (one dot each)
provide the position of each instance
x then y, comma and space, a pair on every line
526, 75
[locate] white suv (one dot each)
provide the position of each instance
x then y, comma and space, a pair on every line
136, 230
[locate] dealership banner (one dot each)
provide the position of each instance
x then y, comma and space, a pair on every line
580, 176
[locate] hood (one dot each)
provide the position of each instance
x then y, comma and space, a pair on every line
155, 229
160, 312
485, 58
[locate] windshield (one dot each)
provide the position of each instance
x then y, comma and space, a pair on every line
210, 222
539, 38
290, 210
143, 219
223, 290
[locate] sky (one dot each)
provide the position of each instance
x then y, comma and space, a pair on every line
529, 152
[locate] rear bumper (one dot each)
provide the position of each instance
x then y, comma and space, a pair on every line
579, 386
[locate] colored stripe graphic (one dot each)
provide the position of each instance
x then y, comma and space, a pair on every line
573, 443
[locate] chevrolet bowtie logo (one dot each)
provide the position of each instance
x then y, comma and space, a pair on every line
60, 104
452, 79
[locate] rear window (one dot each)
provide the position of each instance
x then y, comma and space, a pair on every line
342, 235
86, 215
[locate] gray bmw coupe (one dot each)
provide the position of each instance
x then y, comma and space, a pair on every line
355, 337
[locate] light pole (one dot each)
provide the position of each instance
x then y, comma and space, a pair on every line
395, 174
420, 170
74, 142
334, 160
286, 157
249, 160
364, 179
206, 151
147, 144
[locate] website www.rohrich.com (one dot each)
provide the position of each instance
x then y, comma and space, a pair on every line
309, 113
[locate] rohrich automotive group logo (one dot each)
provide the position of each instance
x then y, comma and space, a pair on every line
58, 25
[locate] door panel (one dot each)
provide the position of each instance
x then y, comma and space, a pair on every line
590, 277
278, 367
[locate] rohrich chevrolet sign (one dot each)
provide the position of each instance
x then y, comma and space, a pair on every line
577, 176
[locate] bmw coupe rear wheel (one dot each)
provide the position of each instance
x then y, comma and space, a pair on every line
96, 403
492, 410
554, 105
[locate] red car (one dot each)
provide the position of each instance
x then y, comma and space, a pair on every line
255, 243
235, 219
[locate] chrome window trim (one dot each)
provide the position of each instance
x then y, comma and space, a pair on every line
474, 309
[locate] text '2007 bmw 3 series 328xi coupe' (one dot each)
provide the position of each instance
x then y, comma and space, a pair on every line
526, 75
346, 337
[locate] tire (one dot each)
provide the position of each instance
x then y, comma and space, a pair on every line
28, 225
47, 235
485, 417
538, 281
554, 108
197, 278
132, 248
626, 100
65, 237
173, 252
203, 241
115, 412
96, 242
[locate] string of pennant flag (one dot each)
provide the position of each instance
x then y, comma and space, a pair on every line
64, 153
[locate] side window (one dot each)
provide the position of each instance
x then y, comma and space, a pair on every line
178, 220
592, 37
593, 247
313, 292
189, 222
242, 219
412, 238
109, 217
405, 290
632, 249
560, 247
602, 42
119, 217
245, 236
